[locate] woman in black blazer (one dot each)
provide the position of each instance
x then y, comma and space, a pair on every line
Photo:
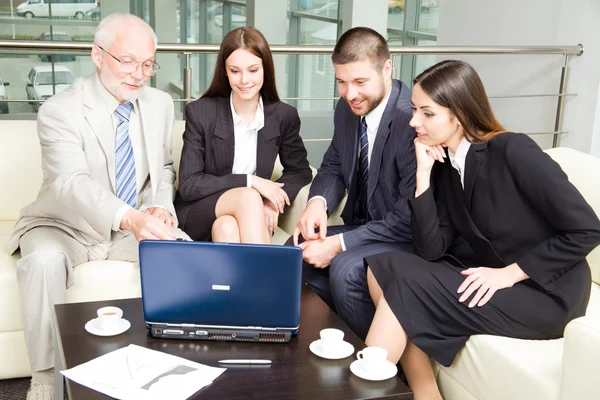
232, 137
501, 235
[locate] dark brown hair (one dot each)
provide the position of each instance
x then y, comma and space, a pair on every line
361, 43
455, 85
252, 40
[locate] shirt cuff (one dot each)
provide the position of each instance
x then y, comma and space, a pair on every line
116, 226
249, 180
342, 242
156, 206
318, 197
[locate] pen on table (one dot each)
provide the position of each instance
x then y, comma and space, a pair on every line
242, 361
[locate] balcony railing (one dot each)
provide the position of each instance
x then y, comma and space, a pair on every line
52, 47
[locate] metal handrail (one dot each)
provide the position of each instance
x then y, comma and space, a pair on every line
189, 49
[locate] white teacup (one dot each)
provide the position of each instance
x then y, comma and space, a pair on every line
109, 318
332, 340
373, 358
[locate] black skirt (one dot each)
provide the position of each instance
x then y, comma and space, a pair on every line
423, 297
197, 218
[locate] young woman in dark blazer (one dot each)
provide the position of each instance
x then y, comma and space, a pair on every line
232, 138
501, 235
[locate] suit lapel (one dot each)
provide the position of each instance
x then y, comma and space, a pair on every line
383, 131
148, 130
266, 150
472, 163
224, 146
100, 122
461, 218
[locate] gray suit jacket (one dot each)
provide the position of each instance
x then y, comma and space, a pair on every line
78, 161
391, 171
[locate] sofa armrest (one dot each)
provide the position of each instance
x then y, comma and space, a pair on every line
288, 220
291, 215
581, 359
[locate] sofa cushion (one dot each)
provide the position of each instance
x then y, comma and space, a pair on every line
530, 369
15, 363
21, 175
10, 313
499, 368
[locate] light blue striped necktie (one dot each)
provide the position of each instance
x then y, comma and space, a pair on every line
124, 159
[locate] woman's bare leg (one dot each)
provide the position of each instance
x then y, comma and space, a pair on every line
387, 332
246, 206
226, 229
374, 288
417, 368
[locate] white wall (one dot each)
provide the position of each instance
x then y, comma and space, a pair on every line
371, 13
533, 22
270, 17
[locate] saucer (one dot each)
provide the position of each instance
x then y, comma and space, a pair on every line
387, 371
346, 349
94, 328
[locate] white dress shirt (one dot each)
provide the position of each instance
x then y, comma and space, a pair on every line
246, 136
459, 159
137, 144
373, 120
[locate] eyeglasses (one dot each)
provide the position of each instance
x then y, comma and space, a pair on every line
149, 68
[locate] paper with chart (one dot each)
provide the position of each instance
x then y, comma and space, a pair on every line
134, 372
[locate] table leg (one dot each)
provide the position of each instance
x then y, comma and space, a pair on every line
58, 377
59, 391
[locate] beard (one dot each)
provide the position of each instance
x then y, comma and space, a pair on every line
118, 88
370, 103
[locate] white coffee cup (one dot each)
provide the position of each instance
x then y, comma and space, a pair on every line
109, 318
331, 340
373, 358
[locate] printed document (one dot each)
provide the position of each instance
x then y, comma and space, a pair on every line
134, 372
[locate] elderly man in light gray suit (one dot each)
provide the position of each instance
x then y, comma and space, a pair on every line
108, 180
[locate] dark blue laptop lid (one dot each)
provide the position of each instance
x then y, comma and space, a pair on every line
220, 284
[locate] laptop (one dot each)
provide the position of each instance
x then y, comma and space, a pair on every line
221, 291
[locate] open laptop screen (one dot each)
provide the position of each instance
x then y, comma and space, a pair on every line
219, 284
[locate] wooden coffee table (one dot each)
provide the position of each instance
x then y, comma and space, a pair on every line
295, 373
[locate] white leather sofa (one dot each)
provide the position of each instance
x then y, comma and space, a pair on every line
20, 179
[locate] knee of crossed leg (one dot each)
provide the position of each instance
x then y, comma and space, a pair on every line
249, 200
225, 226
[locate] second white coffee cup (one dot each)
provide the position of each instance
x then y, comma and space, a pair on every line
109, 318
373, 357
331, 340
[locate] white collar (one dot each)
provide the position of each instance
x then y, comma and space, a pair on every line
459, 159
374, 117
259, 116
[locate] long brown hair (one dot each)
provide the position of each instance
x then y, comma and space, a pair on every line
250, 39
455, 85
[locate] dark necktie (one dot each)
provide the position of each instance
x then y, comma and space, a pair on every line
362, 212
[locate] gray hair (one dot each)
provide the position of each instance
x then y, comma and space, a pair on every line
109, 26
